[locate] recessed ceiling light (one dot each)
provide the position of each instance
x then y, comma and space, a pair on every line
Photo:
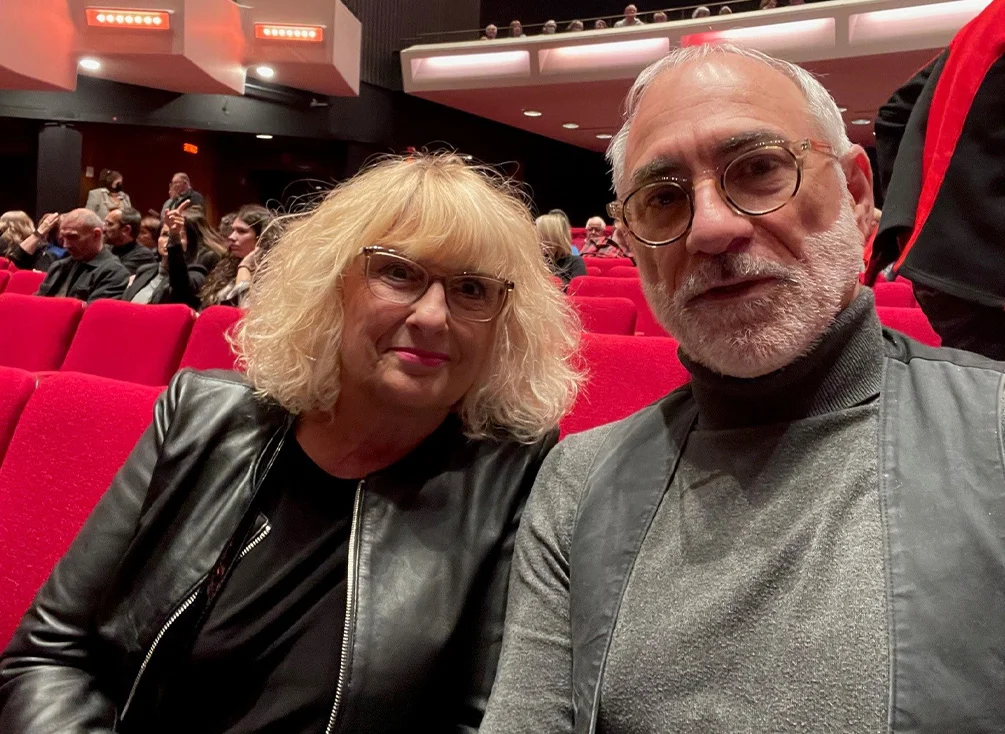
604, 136
90, 64
532, 113
570, 125
264, 136
266, 72
861, 121
842, 109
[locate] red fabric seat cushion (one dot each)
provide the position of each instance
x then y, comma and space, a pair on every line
207, 344
624, 374
606, 263
601, 315
623, 271
16, 386
25, 282
73, 435
630, 288
909, 321
37, 331
127, 341
895, 295
4, 278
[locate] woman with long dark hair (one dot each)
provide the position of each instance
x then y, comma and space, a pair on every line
251, 236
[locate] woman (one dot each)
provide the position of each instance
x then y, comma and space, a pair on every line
40, 248
556, 244
15, 227
177, 278
109, 194
250, 238
324, 547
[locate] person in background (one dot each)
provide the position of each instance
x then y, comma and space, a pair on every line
550, 28
40, 249
768, 4
631, 17
181, 190
599, 24
515, 29
108, 195
120, 230
491, 32
90, 272
725, 10
556, 244
177, 277
701, 12
329, 533
659, 16
598, 244
251, 236
576, 25
150, 231
568, 225
15, 227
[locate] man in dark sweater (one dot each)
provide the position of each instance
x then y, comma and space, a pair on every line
90, 272
808, 537
120, 230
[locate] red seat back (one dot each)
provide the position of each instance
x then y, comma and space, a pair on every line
37, 331
4, 278
131, 342
601, 315
630, 288
895, 295
606, 263
25, 282
16, 386
591, 270
624, 374
909, 321
207, 345
623, 271
4, 263
74, 434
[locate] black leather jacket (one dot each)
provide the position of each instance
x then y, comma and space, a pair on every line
124, 604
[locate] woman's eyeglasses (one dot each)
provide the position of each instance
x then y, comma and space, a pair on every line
392, 277
754, 183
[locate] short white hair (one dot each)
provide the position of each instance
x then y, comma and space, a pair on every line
821, 105
603, 222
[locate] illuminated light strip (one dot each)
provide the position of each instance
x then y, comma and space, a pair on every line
590, 56
147, 20
282, 32
772, 38
915, 20
480, 65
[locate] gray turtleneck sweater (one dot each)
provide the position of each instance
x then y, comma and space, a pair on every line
756, 603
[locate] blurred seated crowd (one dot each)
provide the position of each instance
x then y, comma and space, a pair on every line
109, 249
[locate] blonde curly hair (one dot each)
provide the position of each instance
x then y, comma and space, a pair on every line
434, 208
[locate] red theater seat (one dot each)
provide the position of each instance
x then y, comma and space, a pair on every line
909, 321
36, 331
623, 271
74, 434
16, 386
127, 341
895, 295
4, 263
606, 263
4, 278
624, 374
630, 288
25, 282
207, 345
606, 315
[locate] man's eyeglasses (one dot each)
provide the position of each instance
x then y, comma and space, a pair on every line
754, 183
392, 277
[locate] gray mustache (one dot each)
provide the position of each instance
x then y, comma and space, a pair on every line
721, 269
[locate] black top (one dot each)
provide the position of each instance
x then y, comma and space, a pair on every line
267, 657
568, 267
133, 256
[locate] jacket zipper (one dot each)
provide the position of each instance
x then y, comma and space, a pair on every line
350, 605
182, 608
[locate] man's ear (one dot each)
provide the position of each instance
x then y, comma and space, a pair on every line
858, 173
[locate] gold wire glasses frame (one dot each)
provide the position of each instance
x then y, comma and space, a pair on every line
393, 277
756, 182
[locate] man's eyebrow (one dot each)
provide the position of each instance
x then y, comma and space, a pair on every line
738, 143
659, 167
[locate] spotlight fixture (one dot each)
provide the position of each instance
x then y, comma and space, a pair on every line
532, 113
266, 72
861, 121
274, 32
604, 136
570, 125
264, 136
148, 20
90, 64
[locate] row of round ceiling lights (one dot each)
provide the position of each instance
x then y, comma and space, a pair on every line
567, 125
290, 33
125, 19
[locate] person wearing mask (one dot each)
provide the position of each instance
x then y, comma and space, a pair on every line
556, 244
631, 17
15, 227
120, 230
40, 249
108, 195
177, 277
251, 236
181, 190
323, 543
150, 231
90, 272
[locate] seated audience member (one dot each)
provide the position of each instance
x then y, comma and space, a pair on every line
177, 277
150, 232
701, 12
725, 10
576, 25
330, 535
599, 24
250, 238
40, 249
15, 227
181, 190
768, 4
556, 244
550, 28
491, 32
659, 17
108, 195
568, 226
631, 17
120, 230
598, 244
90, 272
515, 29
807, 536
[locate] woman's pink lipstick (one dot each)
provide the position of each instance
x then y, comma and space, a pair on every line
422, 356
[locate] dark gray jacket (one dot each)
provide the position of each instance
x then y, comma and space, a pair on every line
103, 277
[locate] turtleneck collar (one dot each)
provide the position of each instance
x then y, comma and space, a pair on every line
842, 370
120, 250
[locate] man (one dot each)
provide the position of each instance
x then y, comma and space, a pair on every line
598, 244
808, 537
90, 272
515, 29
701, 12
181, 190
550, 28
659, 17
631, 17
120, 231
491, 32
